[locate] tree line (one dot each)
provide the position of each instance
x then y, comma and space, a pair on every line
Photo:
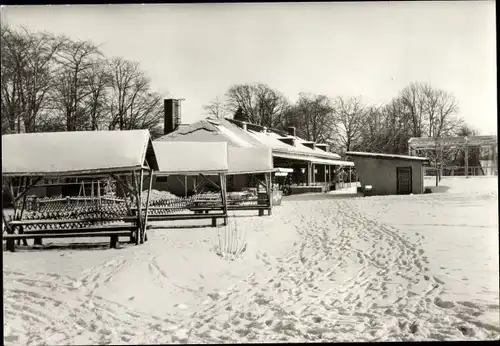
349, 124
53, 83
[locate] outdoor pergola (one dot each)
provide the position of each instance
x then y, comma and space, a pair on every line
192, 159
125, 156
416, 144
255, 162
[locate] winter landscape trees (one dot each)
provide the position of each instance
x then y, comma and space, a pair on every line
53, 83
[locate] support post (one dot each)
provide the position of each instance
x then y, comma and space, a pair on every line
309, 173
269, 187
494, 159
113, 243
223, 189
466, 158
23, 206
329, 176
324, 175
138, 205
147, 205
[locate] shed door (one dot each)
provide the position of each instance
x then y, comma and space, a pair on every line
404, 180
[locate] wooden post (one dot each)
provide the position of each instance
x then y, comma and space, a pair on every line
269, 187
23, 206
309, 173
329, 177
147, 205
138, 205
494, 159
223, 189
324, 175
466, 158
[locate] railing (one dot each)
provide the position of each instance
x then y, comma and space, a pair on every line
461, 171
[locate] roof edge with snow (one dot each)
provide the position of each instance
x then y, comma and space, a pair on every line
387, 156
76, 153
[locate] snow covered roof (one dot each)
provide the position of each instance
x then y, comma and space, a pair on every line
188, 158
272, 140
76, 152
250, 160
212, 130
332, 162
223, 130
386, 156
430, 142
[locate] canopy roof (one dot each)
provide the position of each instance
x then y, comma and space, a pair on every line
76, 153
331, 162
189, 158
387, 156
430, 142
250, 160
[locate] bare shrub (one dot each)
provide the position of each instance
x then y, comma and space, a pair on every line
231, 241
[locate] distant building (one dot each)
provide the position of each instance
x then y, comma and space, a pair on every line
312, 164
390, 174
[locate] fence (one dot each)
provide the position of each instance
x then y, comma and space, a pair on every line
460, 171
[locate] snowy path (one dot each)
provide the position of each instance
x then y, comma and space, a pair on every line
361, 269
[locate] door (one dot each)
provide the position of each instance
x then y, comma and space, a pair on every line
404, 182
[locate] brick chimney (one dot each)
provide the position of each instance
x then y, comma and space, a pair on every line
172, 115
292, 131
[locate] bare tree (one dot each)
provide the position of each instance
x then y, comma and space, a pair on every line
27, 70
76, 61
216, 108
412, 100
259, 103
132, 105
313, 117
99, 80
349, 118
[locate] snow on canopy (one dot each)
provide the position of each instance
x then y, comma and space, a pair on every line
386, 156
76, 152
191, 157
250, 160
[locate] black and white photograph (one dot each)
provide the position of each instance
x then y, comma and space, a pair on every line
220, 173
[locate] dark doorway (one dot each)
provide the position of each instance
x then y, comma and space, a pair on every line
404, 181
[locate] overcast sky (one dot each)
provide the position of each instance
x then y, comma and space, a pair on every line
372, 50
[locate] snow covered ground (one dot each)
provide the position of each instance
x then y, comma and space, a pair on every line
419, 267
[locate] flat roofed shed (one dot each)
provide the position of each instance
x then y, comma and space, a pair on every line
387, 156
76, 153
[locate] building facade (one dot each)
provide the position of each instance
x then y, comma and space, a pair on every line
390, 174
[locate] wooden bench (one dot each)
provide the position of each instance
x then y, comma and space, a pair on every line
114, 231
173, 217
207, 208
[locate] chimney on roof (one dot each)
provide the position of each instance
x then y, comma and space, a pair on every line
323, 147
288, 140
172, 115
292, 131
311, 145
